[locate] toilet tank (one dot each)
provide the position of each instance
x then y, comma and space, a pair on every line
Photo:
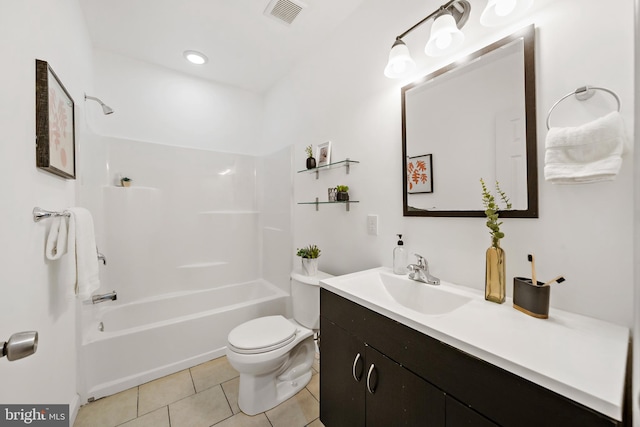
305, 296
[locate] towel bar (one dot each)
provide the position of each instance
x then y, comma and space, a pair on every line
39, 213
582, 94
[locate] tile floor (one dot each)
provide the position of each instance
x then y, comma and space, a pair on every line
202, 396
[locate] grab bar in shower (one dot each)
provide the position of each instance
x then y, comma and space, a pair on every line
39, 213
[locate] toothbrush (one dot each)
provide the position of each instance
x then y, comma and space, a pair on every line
558, 279
532, 260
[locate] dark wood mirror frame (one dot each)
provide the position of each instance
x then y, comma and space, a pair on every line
528, 36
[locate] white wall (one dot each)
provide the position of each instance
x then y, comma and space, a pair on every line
635, 394
162, 106
33, 298
340, 94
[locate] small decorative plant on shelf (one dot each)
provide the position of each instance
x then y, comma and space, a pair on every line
311, 161
125, 181
309, 257
343, 193
495, 272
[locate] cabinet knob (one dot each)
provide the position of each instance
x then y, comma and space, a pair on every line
371, 389
356, 376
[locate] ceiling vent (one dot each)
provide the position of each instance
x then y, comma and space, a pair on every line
284, 11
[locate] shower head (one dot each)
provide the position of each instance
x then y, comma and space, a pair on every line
105, 108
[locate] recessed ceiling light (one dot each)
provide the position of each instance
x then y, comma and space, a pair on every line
195, 57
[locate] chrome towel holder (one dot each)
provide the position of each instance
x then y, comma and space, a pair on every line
582, 94
39, 214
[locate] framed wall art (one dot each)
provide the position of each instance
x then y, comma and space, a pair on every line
323, 155
420, 174
55, 124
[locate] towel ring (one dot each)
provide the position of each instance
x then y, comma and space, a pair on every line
582, 94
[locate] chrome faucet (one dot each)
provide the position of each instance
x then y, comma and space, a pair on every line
111, 296
420, 271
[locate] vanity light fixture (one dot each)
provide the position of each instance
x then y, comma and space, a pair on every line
499, 12
195, 57
445, 37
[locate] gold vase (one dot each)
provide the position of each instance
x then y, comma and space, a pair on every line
495, 275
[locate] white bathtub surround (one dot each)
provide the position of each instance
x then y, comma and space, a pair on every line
148, 339
185, 253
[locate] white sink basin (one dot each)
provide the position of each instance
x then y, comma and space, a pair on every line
421, 297
394, 292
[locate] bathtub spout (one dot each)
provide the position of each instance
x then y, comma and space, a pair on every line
111, 296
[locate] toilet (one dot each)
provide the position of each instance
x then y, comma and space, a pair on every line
273, 354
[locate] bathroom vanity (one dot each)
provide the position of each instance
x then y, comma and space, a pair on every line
398, 352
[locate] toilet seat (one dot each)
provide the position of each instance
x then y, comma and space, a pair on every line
262, 335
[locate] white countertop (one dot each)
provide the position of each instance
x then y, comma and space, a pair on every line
576, 356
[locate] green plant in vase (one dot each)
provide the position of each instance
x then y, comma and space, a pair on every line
342, 193
495, 272
309, 257
311, 161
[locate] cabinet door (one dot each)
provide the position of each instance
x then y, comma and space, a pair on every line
459, 415
398, 397
341, 377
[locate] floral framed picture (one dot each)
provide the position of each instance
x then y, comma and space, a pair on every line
55, 124
323, 154
420, 174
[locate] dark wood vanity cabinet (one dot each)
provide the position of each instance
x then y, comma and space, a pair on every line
417, 380
363, 387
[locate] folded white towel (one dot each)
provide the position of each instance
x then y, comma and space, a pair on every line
588, 153
82, 242
57, 238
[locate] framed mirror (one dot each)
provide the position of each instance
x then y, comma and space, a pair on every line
473, 119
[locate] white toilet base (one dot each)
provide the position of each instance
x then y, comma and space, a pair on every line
270, 394
259, 393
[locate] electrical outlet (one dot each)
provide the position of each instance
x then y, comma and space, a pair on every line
372, 225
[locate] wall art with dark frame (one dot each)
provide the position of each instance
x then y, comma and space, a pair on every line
55, 124
419, 174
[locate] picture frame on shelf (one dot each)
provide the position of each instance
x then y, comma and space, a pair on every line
323, 154
420, 174
55, 124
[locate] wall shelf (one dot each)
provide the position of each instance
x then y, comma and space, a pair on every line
318, 203
343, 163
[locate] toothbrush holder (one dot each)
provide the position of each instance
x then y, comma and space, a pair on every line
531, 299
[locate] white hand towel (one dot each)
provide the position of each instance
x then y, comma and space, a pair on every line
82, 241
57, 238
588, 153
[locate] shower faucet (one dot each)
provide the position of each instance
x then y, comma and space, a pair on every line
111, 296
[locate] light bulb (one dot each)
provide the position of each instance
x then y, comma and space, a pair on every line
505, 7
444, 40
399, 67
195, 57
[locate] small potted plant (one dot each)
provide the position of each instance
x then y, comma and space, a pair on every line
125, 181
343, 193
311, 161
309, 257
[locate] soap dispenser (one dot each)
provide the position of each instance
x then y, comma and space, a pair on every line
400, 257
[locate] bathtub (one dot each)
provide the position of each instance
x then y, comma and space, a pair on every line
148, 339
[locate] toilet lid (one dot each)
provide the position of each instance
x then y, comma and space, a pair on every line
262, 334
